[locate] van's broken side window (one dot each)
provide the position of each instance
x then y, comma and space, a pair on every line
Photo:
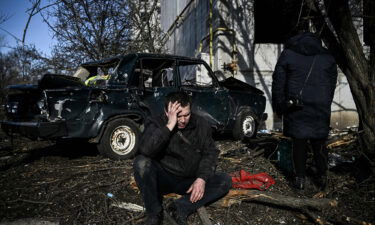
194, 75
156, 72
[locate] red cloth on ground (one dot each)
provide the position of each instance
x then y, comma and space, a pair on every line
246, 180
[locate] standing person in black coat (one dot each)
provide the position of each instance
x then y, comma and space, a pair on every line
178, 155
303, 86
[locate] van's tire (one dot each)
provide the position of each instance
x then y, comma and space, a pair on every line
246, 126
120, 139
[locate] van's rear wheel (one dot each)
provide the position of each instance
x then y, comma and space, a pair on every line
245, 126
120, 139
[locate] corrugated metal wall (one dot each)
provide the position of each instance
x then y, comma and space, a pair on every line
189, 28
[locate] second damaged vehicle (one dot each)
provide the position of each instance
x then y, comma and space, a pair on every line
106, 102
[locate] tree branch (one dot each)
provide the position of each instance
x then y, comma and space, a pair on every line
238, 196
31, 14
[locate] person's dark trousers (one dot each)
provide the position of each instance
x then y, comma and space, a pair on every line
300, 148
154, 182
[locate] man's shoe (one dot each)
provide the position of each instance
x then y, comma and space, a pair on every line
299, 183
173, 212
154, 219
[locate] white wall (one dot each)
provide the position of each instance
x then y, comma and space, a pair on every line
256, 62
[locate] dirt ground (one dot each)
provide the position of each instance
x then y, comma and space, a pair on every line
70, 183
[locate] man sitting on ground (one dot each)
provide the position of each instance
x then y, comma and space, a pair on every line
178, 155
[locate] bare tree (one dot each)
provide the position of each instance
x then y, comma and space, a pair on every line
334, 20
22, 64
3, 17
88, 29
146, 30
7, 74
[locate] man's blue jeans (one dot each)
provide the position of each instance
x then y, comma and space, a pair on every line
154, 182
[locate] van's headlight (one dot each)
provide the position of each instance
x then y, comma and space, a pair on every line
41, 104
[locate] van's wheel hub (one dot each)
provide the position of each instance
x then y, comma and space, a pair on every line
248, 126
123, 140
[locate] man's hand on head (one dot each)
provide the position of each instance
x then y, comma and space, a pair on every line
173, 110
197, 190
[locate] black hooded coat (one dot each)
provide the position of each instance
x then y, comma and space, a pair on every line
291, 71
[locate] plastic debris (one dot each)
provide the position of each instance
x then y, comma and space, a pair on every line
246, 180
337, 160
110, 195
128, 206
264, 131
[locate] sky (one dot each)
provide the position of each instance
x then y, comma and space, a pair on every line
37, 33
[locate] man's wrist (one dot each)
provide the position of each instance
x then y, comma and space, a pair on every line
200, 178
170, 126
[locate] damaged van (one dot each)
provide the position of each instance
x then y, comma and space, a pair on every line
106, 102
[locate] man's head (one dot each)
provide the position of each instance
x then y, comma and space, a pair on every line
184, 99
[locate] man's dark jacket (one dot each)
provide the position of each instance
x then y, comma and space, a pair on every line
289, 76
194, 158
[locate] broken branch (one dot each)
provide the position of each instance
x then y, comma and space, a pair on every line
238, 196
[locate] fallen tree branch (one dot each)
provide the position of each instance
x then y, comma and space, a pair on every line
238, 196
205, 217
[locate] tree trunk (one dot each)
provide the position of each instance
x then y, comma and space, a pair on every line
349, 54
359, 71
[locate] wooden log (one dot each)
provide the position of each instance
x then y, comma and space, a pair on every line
205, 217
340, 143
238, 196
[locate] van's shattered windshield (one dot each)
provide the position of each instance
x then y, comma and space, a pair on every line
97, 73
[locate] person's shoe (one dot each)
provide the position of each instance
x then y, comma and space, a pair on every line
173, 212
154, 219
299, 183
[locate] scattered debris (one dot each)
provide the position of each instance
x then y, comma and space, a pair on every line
53, 182
335, 159
128, 206
246, 180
